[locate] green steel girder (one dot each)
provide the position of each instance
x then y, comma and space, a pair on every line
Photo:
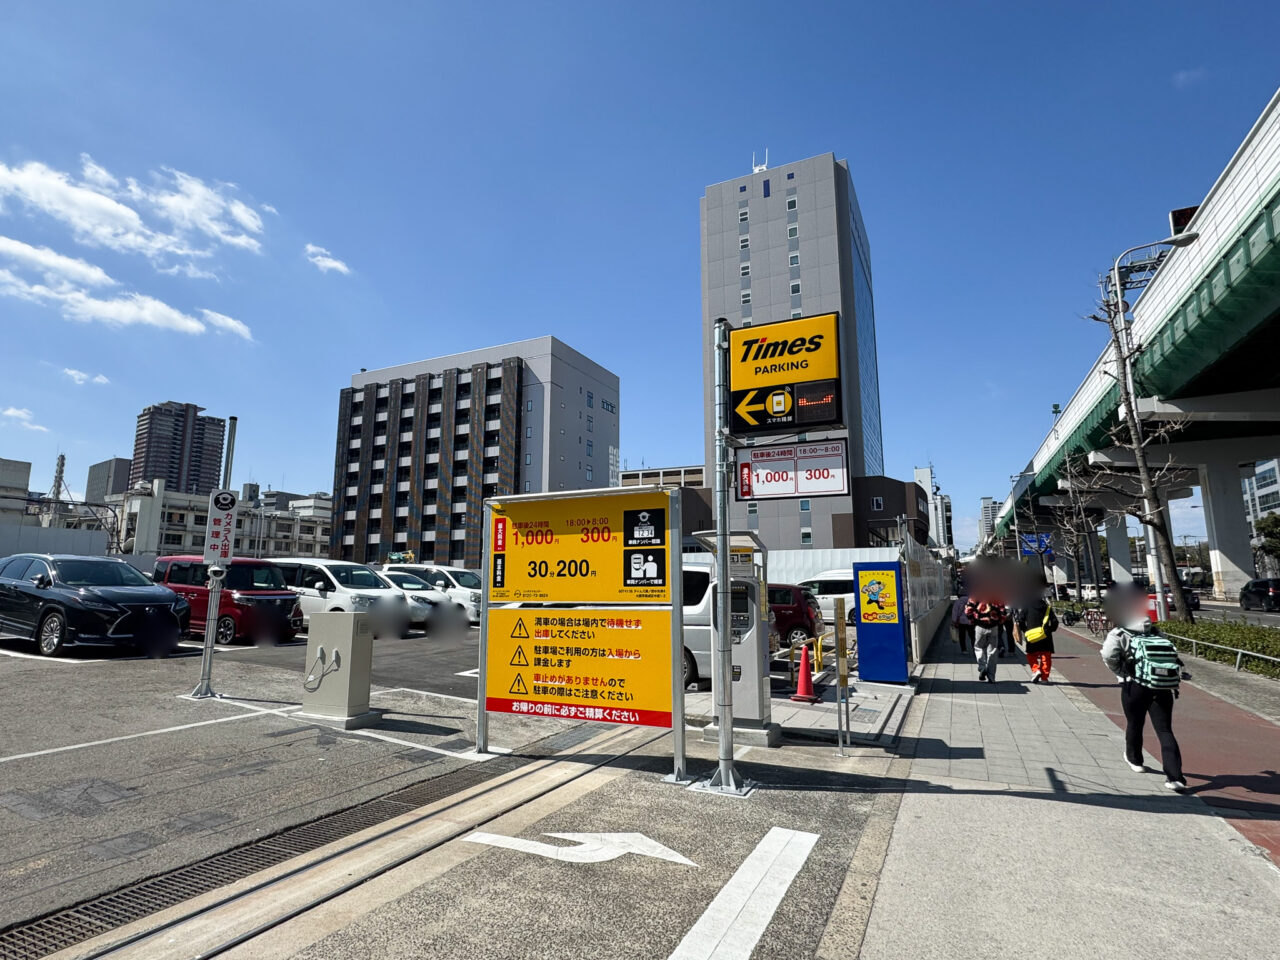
1227, 304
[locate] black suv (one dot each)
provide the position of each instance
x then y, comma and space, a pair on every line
60, 601
1263, 594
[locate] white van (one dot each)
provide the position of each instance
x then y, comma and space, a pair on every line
339, 585
461, 584
830, 584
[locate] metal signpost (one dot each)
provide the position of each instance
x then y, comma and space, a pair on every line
581, 610
219, 548
842, 675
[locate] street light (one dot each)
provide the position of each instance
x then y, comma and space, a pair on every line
1120, 335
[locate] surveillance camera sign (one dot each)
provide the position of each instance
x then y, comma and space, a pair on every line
220, 531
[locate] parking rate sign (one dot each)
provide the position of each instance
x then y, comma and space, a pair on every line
220, 531
610, 665
590, 549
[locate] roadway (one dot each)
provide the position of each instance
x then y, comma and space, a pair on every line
1222, 612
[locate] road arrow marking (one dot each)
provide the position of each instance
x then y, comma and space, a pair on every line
590, 847
744, 408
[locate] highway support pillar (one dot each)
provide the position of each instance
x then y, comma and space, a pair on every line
1119, 556
1230, 553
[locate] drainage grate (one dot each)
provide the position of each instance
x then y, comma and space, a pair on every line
57, 931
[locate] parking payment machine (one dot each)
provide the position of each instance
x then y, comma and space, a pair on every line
749, 626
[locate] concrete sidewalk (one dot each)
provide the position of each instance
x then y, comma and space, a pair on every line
1022, 833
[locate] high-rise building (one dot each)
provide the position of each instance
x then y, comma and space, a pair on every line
782, 243
988, 510
1261, 491
946, 536
422, 445
109, 476
939, 509
174, 443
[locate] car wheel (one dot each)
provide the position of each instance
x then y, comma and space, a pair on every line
51, 635
225, 632
690, 669
797, 636
1244, 603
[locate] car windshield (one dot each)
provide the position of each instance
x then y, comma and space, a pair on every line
466, 579
99, 573
407, 581
358, 577
253, 576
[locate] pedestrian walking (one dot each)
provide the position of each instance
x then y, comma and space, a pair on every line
987, 616
961, 622
1034, 625
1149, 671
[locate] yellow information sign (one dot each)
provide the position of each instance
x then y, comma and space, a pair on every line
589, 549
612, 665
792, 351
879, 589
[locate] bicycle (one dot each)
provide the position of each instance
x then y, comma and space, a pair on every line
1096, 621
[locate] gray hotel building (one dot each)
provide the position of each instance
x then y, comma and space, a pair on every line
422, 445
788, 242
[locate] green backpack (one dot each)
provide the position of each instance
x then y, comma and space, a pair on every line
1154, 661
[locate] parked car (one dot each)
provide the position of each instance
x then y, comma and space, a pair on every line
1193, 598
461, 584
830, 585
339, 585
62, 601
255, 604
1263, 594
796, 612
427, 605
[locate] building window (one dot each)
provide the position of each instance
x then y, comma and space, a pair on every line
528, 405
742, 189
766, 188
588, 473
791, 176
804, 506
744, 242
528, 432
528, 459
526, 486
591, 400
609, 406
793, 231
590, 445
742, 216
791, 203
590, 425
806, 538
795, 314
746, 296
793, 260
745, 270
752, 508
795, 288
877, 504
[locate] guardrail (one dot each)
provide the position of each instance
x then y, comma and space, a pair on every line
1240, 654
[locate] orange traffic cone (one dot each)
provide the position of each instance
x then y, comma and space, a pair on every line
804, 689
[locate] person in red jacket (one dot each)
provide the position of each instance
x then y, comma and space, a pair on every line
987, 614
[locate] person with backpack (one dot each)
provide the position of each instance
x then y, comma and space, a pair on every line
1035, 623
1149, 670
963, 626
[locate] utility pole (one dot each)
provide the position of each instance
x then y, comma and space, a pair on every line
1152, 521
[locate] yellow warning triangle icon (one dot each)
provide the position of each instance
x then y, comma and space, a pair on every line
519, 660
518, 685
520, 632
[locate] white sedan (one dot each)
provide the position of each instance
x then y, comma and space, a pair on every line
426, 603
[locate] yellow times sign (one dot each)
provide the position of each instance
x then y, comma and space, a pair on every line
793, 351
611, 548
612, 665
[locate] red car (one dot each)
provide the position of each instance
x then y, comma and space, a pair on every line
796, 612
255, 603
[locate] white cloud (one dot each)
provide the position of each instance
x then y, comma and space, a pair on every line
324, 260
80, 378
128, 310
194, 206
96, 175
23, 417
1182, 79
53, 265
268, 207
229, 324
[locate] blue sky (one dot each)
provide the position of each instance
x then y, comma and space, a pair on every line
239, 205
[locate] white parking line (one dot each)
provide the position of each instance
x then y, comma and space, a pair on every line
732, 925
256, 712
473, 672
428, 693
